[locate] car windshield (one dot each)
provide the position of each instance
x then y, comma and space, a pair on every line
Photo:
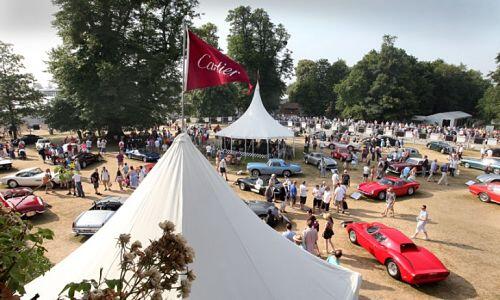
412, 161
385, 181
36, 171
372, 229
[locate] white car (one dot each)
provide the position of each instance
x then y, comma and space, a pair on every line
89, 222
42, 143
5, 164
27, 177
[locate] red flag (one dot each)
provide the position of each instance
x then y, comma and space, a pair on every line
207, 66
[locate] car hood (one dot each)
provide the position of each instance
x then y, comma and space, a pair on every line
370, 186
5, 161
487, 177
260, 207
29, 203
94, 218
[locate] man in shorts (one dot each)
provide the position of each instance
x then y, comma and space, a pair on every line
422, 219
303, 195
338, 196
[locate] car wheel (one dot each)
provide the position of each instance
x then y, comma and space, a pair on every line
242, 186
287, 173
411, 191
381, 195
467, 165
12, 184
353, 238
145, 159
428, 146
392, 269
84, 164
484, 197
442, 151
331, 146
255, 172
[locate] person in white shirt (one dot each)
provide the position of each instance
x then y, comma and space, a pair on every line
88, 143
209, 150
366, 172
327, 199
335, 178
222, 168
105, 178
338, 196
103, 145
422, 219
489, 153
303, 195
77, 178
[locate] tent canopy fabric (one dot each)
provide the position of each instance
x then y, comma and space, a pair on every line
256, 123
237, 256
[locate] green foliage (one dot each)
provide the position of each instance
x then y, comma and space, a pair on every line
260, 46
213, 101
18, 97
489, 105
22, 254
313, 87
143, 274
392, 85
119, 61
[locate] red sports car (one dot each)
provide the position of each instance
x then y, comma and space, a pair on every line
403, 259
377, 189
489, 192
340, 153
23, 201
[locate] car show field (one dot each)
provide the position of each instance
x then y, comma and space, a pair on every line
463, 230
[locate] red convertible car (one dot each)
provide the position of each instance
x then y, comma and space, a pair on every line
23, 201
377, 189
403, 259
489, 192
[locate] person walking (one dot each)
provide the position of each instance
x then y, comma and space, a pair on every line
317, 198
77, 179
105, 178
425, 166
120, 159
222, 168
133, 178
47, 181
328, 234
335, 178
422, 219
346, 179
303, 195
338, 197
269, 192
119, 179
94, 179
310, 236
433, 170
293, 193
366, 172
390, 200
322, 168
444, 174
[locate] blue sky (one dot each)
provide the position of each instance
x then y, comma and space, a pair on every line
458, 31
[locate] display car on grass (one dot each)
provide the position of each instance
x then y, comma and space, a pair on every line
440, 146
23, 201
273, 166
314, 158
398, 167
260, 208
486, 192
28, 139
378, 189
481, 164
377, 141
487, 178
27, 177
250, 184
339, 145
89, 222
340, 153
5, 164
402, 258
42, 144
87, 158
141, 154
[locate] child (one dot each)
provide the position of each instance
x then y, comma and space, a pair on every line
335, 258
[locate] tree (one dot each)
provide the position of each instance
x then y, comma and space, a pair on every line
22, 250
489, 104
212, 101
18, 96
119, 61
313, 89
260, 46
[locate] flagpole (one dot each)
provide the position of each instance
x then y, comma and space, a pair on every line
184, 33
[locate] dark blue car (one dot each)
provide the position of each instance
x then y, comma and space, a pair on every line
143, 155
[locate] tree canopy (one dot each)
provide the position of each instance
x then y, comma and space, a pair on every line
489, 104
18, 96
260, 46
119, 62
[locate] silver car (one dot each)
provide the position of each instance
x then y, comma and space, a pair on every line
314, 158
89, 222
487, 178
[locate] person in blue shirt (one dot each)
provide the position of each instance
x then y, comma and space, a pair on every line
289, 234
293, 193
335, 258
405, 172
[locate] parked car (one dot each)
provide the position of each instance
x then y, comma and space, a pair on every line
413, 152
260, 208
496, 152
376, 141
5, 164
42, 144
89, 222
314, 158
402, 258
397, 167
337, 145
143, 155
340, 153
273, 166
481, 164
87, 158
378, 189
27, 177
23, 201
440, 146
28, 139
486, 192
487, 178
250, 184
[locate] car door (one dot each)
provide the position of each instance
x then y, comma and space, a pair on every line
277, 167
379, 250
22, 178
400, 188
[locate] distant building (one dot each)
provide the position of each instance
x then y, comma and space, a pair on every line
445, 119
49, 93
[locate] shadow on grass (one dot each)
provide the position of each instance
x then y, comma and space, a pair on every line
454, 287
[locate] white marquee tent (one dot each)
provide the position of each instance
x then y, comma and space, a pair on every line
256, 123
237, 256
